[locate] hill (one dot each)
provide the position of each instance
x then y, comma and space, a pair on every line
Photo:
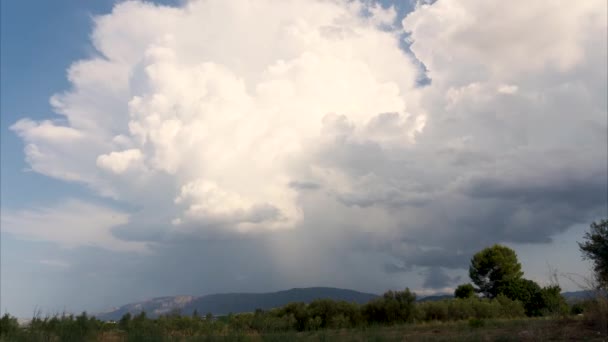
576, 296
223, 304
436, 298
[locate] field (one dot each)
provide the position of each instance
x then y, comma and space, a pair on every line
526, 329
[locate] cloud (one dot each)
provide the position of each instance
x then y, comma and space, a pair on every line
71, 223
119, 162
307, 130
53, 263
436, 278
202, 113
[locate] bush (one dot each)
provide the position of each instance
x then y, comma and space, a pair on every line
461, 309
476, 323
464, 291
510, 308
596, 313
537, 301
486, 308
314, 323
391, 308
433, 311
9, 326
552, 301
298, 312
577, 308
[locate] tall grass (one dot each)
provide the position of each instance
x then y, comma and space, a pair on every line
595, 308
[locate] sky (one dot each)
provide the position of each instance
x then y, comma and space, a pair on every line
202, 146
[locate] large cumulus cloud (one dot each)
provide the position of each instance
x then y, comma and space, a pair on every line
300, 125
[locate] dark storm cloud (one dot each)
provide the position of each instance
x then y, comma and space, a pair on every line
436, 278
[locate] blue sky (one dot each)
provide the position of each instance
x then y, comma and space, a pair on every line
40, 40
202, 150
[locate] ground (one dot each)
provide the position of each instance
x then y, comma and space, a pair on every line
540, 329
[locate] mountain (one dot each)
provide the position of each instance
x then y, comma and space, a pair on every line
222, 304
153, 307
225, 303
576, 296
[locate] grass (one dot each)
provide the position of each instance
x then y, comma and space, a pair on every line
525, 329
490, 330
572, 328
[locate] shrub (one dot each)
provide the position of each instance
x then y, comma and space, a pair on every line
552, 301
486, 308
476, 323
392, 307
298, 312
464, 291
596, 313
9, 326
510, 308
577, 308
460, 309
433, 311
314, 323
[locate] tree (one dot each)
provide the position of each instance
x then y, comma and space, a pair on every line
492, 267
464, 291
526, 291
595, 248
392, 307
125, 321
553, 301
9, 326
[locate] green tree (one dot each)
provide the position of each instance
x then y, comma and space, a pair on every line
553, 301
392, 307
125, 321
537, 301
526, 291
464, 291
9, 326
595, 248
492, 267
298, 311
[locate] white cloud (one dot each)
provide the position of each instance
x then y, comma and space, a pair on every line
231, 114
71, 223
119, 162
507, 89
46, 130
505, 39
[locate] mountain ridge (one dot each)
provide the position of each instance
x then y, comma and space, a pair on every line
236, 302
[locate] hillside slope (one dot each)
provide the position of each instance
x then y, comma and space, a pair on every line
222, 304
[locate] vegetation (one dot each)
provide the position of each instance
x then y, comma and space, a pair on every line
320, 318
492, 268
488, 319
464, 291
595, 248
